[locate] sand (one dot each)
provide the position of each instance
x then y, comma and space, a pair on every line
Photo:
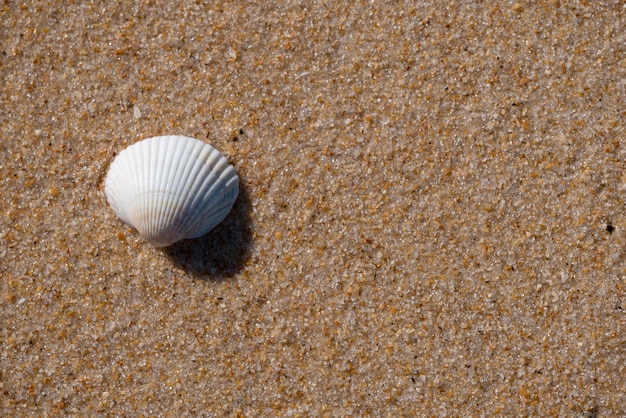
432, 219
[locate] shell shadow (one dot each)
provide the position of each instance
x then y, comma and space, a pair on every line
224, 251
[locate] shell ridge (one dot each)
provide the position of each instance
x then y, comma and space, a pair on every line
200, 203
200, 178
179, 208
210, 209
151, 176
167, 195
171, 205
121, 199
114, 199
164, 149
189, 209
217, 209
147, 211
138, 184
204, 186
222, 188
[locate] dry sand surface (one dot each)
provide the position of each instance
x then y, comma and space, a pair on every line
432, 219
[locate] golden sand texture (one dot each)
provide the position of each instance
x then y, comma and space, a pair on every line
431, 222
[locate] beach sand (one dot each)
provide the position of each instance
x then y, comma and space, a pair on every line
432, 219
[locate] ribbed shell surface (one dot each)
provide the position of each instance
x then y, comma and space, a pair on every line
171, 188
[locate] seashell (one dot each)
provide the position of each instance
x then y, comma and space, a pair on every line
171, 188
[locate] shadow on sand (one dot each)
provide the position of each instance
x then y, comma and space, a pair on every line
223, 252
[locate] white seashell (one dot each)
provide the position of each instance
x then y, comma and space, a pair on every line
171, 188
